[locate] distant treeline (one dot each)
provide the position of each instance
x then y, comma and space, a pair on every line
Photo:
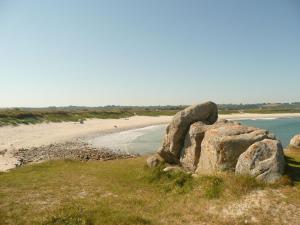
15, 116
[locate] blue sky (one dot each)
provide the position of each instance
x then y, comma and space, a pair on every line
148, 52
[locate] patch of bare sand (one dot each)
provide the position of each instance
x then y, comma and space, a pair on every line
260, 207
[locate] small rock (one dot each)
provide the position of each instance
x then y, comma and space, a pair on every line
154, 160
295, 141
3, 152
172, 168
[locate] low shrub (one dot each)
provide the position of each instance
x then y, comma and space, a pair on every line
171, 181
211, 186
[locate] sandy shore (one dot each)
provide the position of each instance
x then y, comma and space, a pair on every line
26, 136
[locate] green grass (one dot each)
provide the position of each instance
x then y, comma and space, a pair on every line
171, 182
115, 192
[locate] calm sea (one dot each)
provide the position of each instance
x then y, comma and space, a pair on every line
148, 140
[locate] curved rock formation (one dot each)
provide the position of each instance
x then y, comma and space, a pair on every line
197, 143
179, 126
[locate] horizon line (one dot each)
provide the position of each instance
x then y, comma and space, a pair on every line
160, 105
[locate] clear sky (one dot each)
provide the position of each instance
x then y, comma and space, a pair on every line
148, 52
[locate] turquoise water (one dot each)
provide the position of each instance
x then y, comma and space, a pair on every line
147, 140
284, 129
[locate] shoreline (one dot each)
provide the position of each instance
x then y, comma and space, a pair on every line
12, 139
32, 136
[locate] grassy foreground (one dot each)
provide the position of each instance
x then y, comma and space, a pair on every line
122, 192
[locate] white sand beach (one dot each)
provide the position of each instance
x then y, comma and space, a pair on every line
26, 136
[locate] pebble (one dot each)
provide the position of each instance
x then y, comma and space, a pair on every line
70, 150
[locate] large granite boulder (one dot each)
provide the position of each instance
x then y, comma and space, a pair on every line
197, 143
179, 126
190, 153
295, 141
191, 150
263, 160
222, 146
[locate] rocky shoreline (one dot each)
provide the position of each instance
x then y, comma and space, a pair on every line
69, 150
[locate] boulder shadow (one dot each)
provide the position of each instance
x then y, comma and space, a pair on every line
292, 168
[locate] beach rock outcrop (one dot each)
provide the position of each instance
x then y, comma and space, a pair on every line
222, 146
295, 141
198, 144
179, 126
74, 150
263, 160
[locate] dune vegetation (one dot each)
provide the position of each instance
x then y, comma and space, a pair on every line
33, 116
16, 116
127, 192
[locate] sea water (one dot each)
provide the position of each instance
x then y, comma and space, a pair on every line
284, 128
147, 140
142, 141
